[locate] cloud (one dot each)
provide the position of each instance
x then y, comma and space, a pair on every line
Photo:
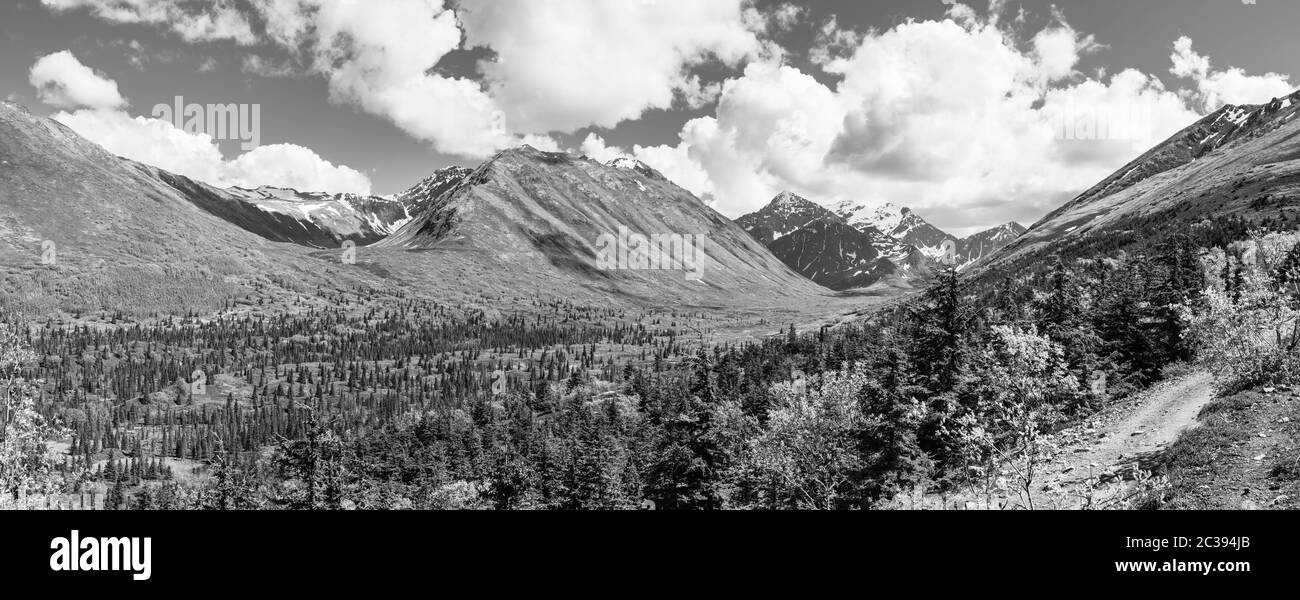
1233, 86
786, 16
289, 165
557, 66
968, 121
568, 64
63, 82
380, 61
594, 148
193, 20
159, 143
95, 110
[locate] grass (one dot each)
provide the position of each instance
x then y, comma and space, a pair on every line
1245, 454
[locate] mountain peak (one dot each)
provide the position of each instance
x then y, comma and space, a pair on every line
790, 201
632, 164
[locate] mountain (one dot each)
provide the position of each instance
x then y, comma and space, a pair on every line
1234, 169
884, 217
985, 243
315, 219
362, 219
915, 231
833, 254
845, 248
524, 228
528, 219
417, 198
82, 230
786, 214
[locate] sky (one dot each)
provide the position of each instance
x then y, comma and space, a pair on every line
971, 114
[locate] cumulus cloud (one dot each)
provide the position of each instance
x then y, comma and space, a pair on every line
963, 119
1233, 86
63, 82
568, 64
558, 66
594, 147
95, 109
161, 144
379, 61
193, 20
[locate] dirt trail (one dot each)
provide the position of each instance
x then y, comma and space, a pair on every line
1099, 454
1092, 460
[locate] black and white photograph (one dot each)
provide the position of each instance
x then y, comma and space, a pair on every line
427, 262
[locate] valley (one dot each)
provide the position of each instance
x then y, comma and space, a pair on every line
470, 343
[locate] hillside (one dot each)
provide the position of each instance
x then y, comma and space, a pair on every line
524, 226
528, 219
123, 238
1236, 168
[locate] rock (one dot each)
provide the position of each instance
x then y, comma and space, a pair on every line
1260, 457
1249, 505
1269, 390
1281, 499
1263, 435
1127, 472
1137, 433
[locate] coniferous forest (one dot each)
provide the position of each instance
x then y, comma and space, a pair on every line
423, 406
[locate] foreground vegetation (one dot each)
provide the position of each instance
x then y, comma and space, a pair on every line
418, 406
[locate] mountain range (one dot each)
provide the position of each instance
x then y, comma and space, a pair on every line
855, 246
525, 226
528, 224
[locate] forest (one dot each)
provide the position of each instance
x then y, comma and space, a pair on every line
422, 406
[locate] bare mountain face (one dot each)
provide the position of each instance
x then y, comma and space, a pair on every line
833, 254
362, 219
986, 243
786, 214
1238, 167
525, 226
528, 218
915, 231
846, 249
314, 219
83, 229
417, 199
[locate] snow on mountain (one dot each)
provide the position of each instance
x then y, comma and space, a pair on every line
885, 217
785, 214
417, 199
361, 219
833, 254
828, 245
